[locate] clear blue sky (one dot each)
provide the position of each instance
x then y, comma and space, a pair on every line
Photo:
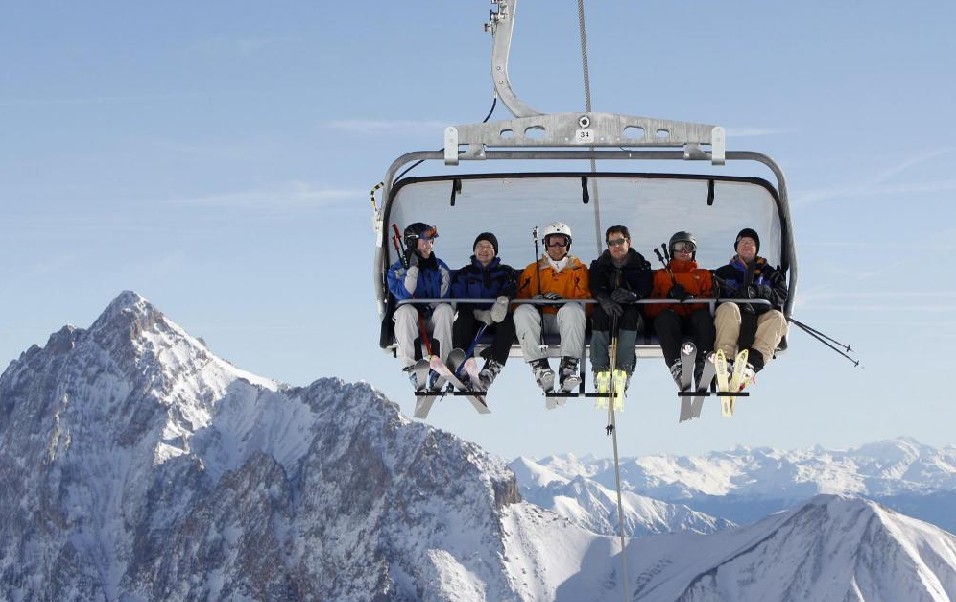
216, 158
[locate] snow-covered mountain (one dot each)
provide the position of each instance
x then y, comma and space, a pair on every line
592, 505
745, 484
139, 466
829, 548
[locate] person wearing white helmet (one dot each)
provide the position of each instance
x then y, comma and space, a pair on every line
555, 276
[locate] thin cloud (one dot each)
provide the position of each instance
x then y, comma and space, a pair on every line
230, 152
292, 194
104, 100
905, 165
873, 189
880, 185
372, 126
915, 307
231, 46
754, 132
929, 301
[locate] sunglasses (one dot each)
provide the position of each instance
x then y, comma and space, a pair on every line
558, 245
617, 242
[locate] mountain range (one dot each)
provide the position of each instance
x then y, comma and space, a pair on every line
140, 466
742, 485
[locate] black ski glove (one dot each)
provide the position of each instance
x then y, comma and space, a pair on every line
677, 292
611, 308
624, 296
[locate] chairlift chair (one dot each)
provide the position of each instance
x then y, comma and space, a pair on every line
512, 175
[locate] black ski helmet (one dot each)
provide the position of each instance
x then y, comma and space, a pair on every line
747, 233
682, 236
418, 230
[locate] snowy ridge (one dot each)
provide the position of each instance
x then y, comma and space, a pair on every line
829, 548
745, 484
594, 506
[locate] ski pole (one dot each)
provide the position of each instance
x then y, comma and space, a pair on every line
537, 275
396, 242
819, 336
664, 263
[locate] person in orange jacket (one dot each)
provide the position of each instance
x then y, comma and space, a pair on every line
555, 276
676, 323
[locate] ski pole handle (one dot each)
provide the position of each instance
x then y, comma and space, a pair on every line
398, 248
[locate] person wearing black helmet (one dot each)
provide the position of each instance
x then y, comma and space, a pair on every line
678, 323
419, 274
618, 279
485, 277
754, 326
555, 276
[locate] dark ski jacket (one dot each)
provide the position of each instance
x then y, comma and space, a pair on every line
475, 281
635, 275
758, 281
434, 281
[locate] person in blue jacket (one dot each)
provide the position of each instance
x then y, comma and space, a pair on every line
421, 275
485, 277
754, 326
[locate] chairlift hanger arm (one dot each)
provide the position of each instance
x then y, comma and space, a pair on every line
501, 26
533, 128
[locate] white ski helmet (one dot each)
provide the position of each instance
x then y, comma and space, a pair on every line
556, 228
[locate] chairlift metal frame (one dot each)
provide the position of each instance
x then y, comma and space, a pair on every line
532, 136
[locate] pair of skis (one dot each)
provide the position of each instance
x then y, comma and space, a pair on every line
614, 393
730, 383
692, 402
457, 364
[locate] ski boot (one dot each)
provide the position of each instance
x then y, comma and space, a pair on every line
570, 378
488, 373
543, 374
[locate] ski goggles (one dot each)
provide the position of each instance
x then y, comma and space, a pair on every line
428, 234
683, 247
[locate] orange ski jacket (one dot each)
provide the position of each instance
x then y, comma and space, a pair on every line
696, 281
539, 278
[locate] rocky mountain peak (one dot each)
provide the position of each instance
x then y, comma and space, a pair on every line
149, 468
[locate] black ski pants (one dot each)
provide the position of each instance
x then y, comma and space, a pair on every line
672, 330
466, 327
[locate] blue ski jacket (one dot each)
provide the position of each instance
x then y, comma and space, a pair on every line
475, 281
760, 280
434, 281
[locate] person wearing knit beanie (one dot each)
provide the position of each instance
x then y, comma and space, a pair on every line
487, 236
